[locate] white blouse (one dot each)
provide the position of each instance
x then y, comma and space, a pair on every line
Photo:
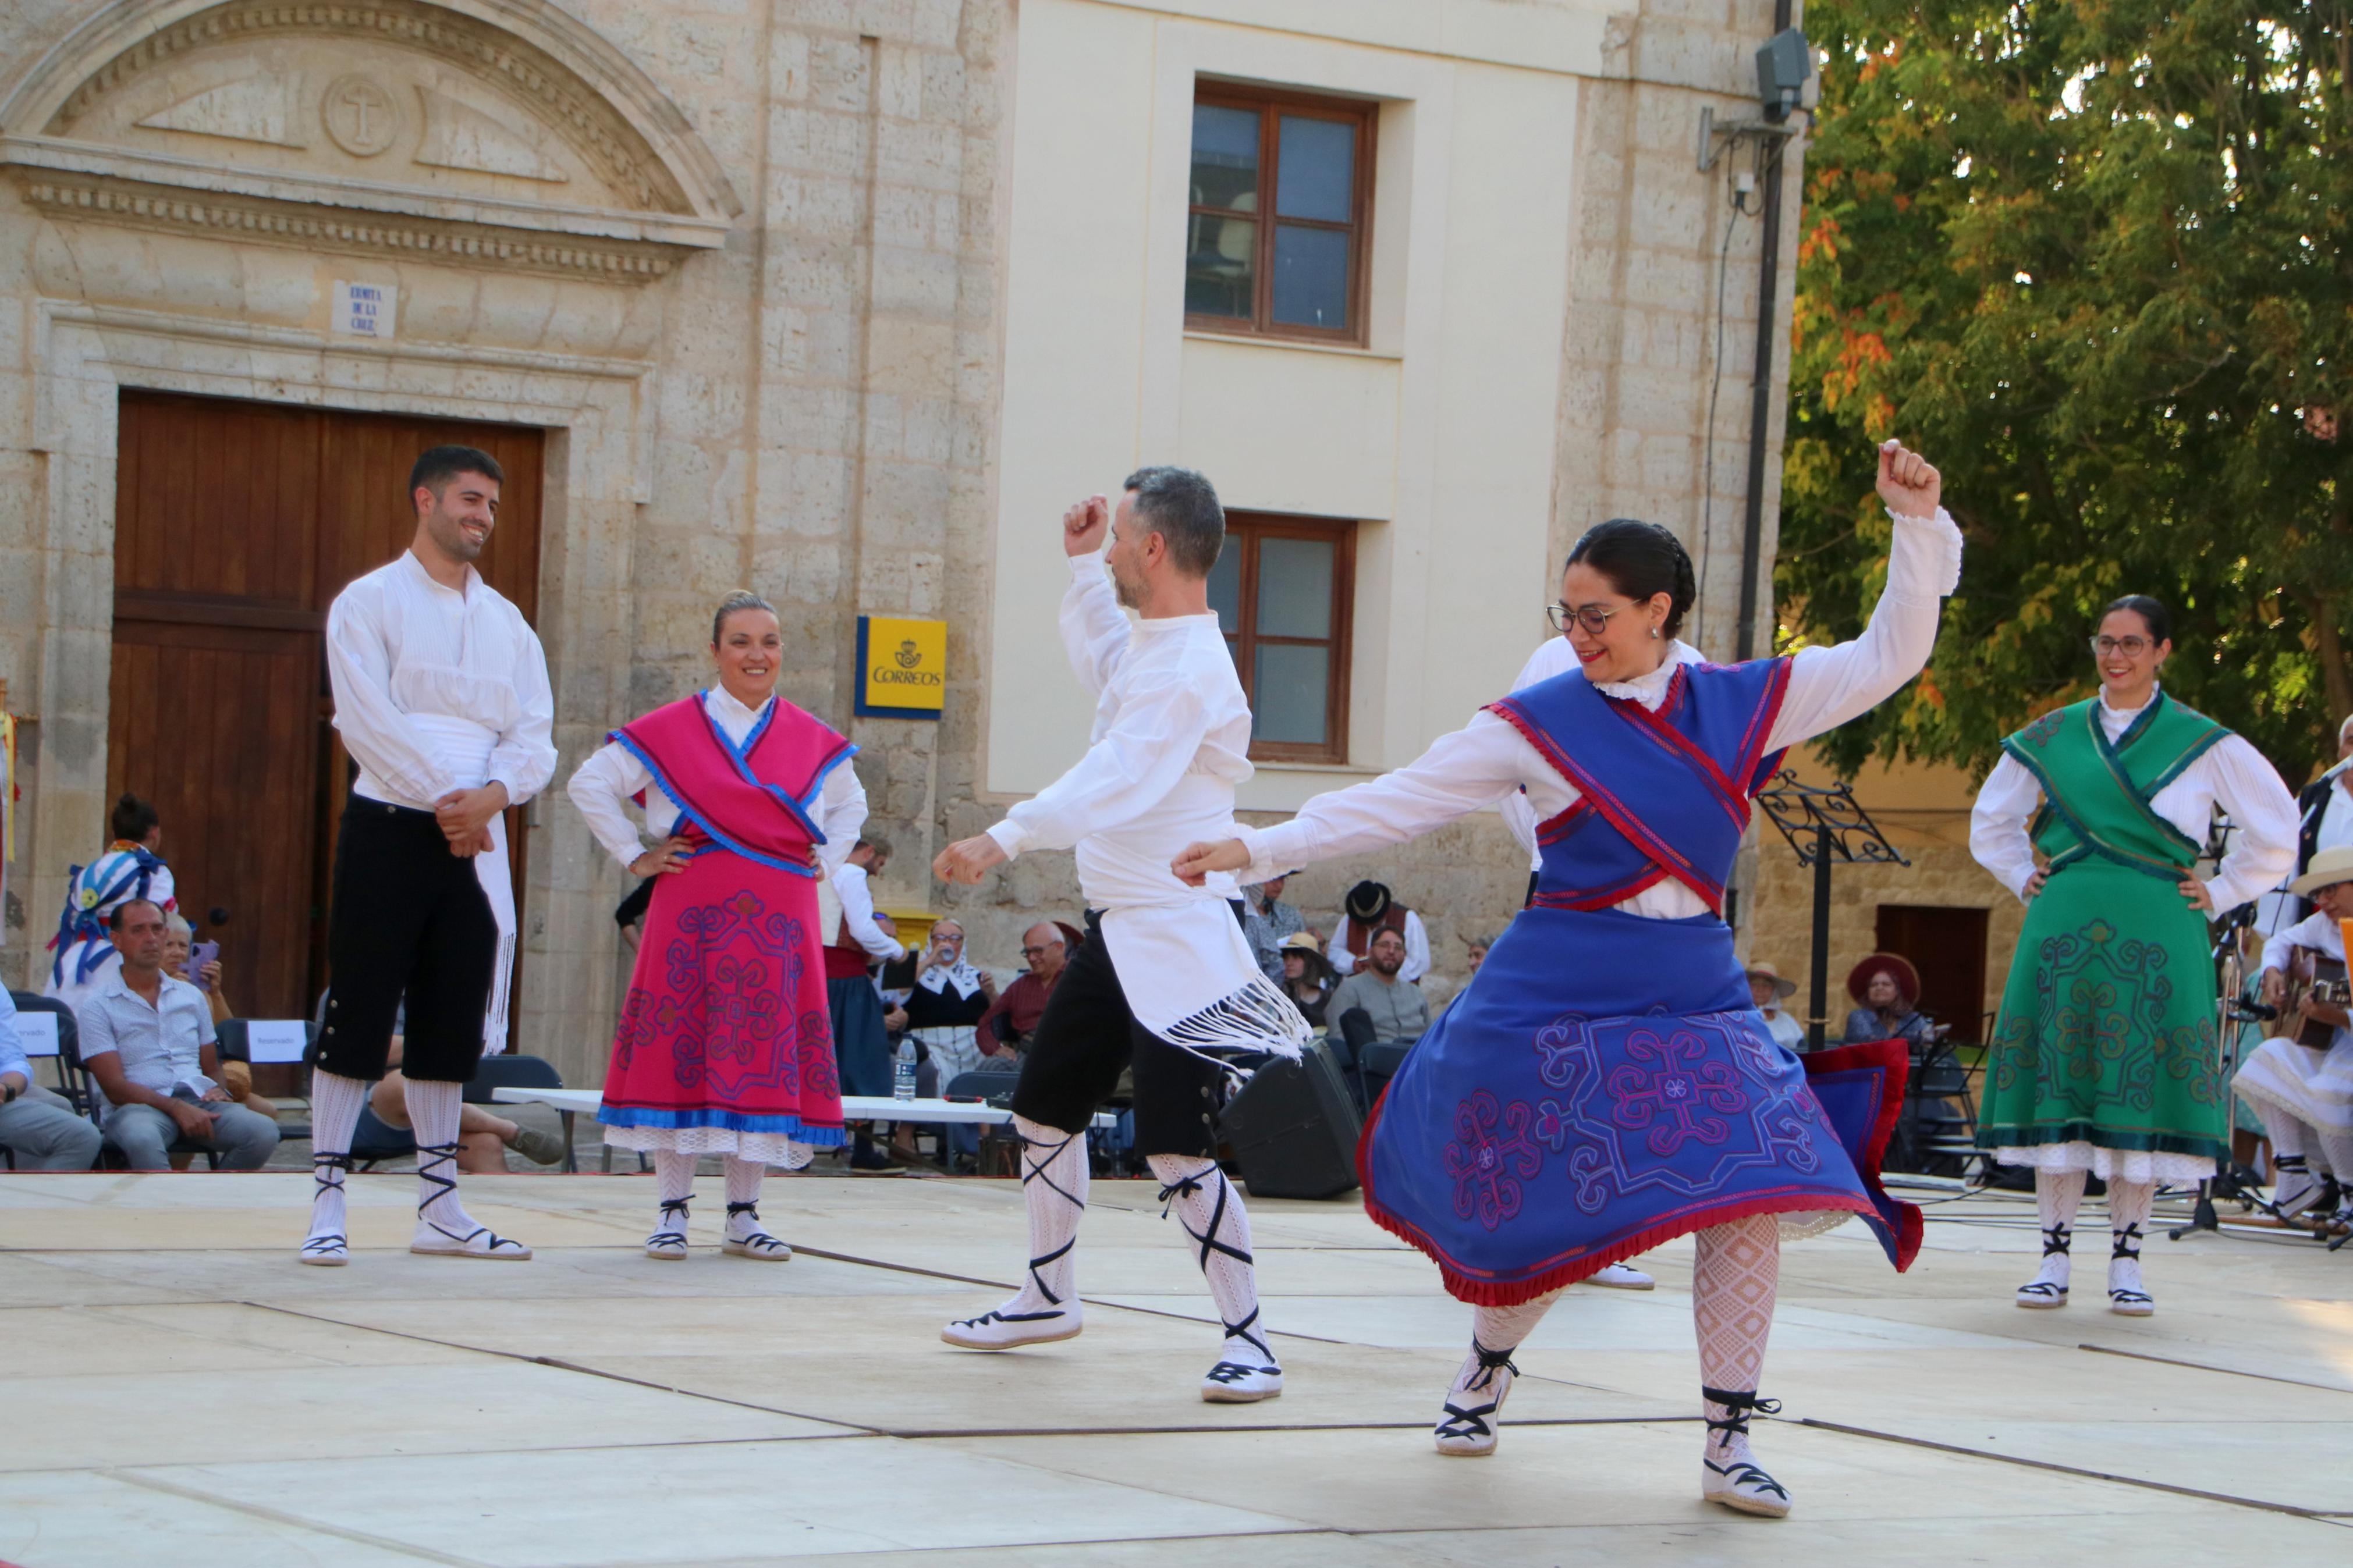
605, 782
2230, 774
438, 690
1487, 760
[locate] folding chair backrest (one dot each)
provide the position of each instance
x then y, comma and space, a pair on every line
508, 1071
73, 1082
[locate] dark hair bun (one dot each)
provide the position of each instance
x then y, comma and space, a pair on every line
1640, 560
2152, 612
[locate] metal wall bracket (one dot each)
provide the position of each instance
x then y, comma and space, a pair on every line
1714, 137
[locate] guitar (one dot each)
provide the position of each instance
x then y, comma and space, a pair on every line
2317, 997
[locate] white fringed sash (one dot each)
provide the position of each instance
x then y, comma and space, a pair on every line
1170, 957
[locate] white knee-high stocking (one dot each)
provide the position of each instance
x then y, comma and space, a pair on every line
674, 1184
1735, 1274
335, 1103
2057, 1194
1211, 1212
746, 1235
2128, 1206
433, 1111
1054, 1191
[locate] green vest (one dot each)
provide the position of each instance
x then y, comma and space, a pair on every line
2096, 792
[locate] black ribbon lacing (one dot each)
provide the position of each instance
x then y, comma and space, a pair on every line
328, 1160
1190, 1186
2057, 1239
1737, 1404
2127, 1244
1490, 1363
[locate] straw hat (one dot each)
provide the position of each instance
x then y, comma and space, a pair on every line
1304, 944
1767, 971
2327, 868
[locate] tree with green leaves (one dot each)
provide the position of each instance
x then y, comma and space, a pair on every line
2093, 261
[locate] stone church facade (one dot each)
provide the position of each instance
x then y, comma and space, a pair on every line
842, 301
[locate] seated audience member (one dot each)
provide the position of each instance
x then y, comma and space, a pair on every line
1046, 947
132, 868
1887, 986
1267, 923
1399, 1011
949, 999
147, 1040
1372, 909
1307, 978
37, 1126
1475, 950
1768, 991
179, 942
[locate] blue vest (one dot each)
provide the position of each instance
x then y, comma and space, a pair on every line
1661, 794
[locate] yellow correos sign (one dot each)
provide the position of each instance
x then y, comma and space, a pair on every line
902, 666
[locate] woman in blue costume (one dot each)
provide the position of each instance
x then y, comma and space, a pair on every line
1605, 1084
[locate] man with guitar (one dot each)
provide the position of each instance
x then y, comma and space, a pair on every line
2301, 1081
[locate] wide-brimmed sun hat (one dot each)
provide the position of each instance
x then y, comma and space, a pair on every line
1304, 944
2326, 869
1767, 971
1893, 964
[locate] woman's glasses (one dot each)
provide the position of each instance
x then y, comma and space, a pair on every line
2131, 648
1592, 618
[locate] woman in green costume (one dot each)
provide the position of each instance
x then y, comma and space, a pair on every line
2103, 1058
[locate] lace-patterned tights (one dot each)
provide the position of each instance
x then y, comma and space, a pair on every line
1735, 1273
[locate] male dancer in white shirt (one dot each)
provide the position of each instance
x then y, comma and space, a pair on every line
441, 697
1166, 969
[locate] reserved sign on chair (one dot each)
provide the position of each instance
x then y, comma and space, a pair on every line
38, 1033
276, 1039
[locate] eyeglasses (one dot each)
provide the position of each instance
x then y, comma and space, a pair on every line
1592, 618
2131, 648
1036, 952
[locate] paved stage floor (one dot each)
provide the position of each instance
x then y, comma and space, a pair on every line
181, 1391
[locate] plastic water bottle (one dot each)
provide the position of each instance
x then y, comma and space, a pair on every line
903, 1071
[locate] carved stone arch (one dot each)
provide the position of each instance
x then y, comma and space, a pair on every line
500, 132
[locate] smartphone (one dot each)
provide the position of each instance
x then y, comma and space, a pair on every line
199, 954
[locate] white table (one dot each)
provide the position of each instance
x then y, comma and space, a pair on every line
854, 1108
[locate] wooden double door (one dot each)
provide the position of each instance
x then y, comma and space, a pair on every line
236, 525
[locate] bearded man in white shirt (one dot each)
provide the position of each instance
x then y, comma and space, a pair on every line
441, 697
1166, 969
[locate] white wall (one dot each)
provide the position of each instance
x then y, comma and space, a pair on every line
1440, 436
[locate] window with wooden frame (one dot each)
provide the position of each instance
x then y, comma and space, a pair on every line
1293, 266
1282, 590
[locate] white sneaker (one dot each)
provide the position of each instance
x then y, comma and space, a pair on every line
1473, 1404
480, 1242
1242, 1382
1621, 1277
1003, 1330
746, 1237
1742, 1485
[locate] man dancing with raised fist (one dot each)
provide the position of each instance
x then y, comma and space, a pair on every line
1166, 971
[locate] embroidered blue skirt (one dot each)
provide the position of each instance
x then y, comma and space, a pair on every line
1604, 1086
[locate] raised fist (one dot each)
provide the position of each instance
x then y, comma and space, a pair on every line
1908, 482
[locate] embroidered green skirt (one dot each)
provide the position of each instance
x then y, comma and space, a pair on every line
2104, 1055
